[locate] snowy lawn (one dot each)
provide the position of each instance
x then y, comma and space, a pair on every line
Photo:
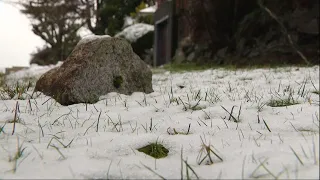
261, 123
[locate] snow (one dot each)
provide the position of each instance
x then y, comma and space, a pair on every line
33, 72
128, 21
102, 148
134, 32
151, 9
89, 38
84, 32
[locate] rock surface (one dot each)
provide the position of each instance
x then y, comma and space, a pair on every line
96, 67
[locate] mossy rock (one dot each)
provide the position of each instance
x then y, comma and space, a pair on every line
155, 150
96, 67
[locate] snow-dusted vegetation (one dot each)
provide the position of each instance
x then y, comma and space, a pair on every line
212, 124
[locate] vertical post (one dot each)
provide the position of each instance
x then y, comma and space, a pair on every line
155, 45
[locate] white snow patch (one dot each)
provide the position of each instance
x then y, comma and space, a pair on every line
34, 71
90, 38
128, 21
134, 32
151, 9
84, 32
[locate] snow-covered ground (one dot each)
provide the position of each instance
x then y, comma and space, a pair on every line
32, 73
101, 140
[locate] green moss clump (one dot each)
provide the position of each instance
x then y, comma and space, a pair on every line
155, 150
117, 81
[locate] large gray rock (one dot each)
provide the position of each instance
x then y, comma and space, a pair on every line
96, 67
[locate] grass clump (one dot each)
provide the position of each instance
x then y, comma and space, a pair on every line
175, 132
18, 154
196, 108
155, 150
14, 91
282, 102
206, 154
193, 105
2, 128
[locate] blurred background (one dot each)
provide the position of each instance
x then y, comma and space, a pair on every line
225, 32
17, 41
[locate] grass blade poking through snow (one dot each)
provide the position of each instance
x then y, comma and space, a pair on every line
207, 150
189, 167
58, 150
15, 117
265, 123
294, 152
231, 116
153, 172
181, 158
97, 129
2, 128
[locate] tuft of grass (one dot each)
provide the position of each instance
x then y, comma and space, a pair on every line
286, 99
236, 120
155, 150
2, 128
15, 120
205, 153
14, 91
18, 154
192, 106
281, 102
261, 106
150, 127
197, 108
175, 132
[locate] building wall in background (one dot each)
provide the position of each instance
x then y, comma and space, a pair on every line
164, 32
171, 26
